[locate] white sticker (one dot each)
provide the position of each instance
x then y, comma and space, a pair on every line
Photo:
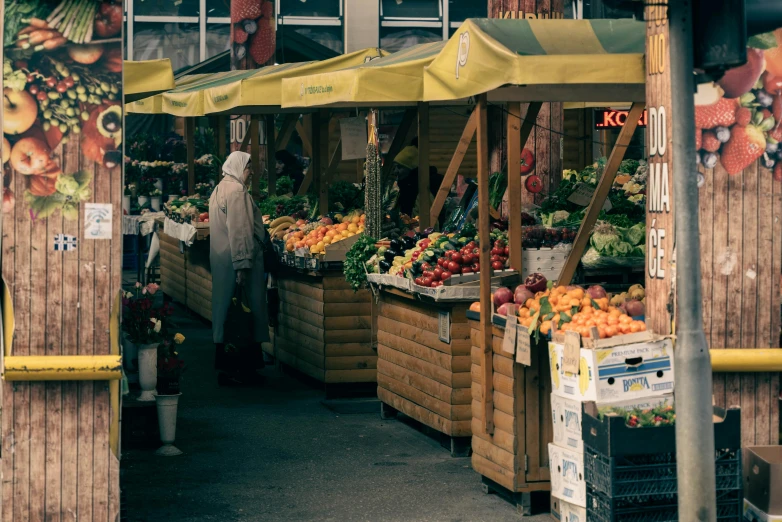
97, 221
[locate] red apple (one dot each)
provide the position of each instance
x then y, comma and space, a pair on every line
85, 54
30, 156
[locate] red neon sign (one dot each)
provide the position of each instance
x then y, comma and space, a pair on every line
613, 119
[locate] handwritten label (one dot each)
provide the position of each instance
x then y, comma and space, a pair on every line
582, 196
571, 353
509, 341
444, 326
523, 348
353, 132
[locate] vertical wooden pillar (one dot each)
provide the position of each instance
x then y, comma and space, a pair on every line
190, 140
255, 156
320, 155
487, 362
222, 143
271, 161
514, 185
424, 196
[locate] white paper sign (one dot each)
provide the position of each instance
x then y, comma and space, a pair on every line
572, 352
582, 196
444, 326
523, 349
509, 341
97, 221
354, 138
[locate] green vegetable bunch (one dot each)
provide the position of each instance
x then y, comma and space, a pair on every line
663, 415
355, 260
345, 196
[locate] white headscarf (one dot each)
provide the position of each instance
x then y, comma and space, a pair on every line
235, 165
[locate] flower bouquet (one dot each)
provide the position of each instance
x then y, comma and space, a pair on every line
169, 366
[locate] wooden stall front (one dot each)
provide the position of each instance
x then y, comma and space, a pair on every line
418, 372
185, 275
325, 328
515, 455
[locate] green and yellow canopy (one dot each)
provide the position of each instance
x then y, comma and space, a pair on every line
397, 79
541, 60
146, 78
154, 104
260, 90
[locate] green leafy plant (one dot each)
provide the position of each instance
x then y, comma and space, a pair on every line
355, 261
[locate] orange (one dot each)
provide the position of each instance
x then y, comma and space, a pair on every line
342, 226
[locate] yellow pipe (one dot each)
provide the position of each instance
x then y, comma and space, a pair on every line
746, 360
63, 368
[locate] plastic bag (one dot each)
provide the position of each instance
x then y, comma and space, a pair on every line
239, 333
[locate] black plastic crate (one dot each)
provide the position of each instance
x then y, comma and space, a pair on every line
612, 437
638, 476
656, 508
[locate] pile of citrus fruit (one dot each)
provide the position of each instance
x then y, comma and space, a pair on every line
322, 235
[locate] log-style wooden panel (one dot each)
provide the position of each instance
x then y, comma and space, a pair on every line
57, 460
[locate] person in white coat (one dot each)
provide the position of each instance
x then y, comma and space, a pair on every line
236, 257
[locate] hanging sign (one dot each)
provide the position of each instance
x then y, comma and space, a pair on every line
615, 119
509, 340
523, 349
571, 353
353, 133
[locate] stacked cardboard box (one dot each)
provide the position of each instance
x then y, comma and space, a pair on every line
763, 484
611, 377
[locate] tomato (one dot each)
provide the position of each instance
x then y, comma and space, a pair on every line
435, 284
438, 272
449, 253
533, 184
108, 19
495, 258
426, 266
455, 272
506, 251
427, 281
497, 265
468, 259
499, 243
496, 251
441, 261
471, 245
453, 267
476, 267
467, 270
203, 215
456, 257
445, 276
419, 281
429, 274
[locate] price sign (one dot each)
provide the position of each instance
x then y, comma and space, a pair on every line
312, 263
582, 196
572, 352
444, 326
523, 348
509, 341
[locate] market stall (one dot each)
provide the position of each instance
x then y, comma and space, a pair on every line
510, 62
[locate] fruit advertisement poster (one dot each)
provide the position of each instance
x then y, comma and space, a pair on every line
253, 45
738, 119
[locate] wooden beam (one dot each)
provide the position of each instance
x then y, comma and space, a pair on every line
245, 142
336, 158
601, 193
453, 166
286, 131
190, 138
518, 133
222, 142
303, 128
401, 138
320, 151
255, 155
487, 364
307, 181
424, 196
271, 149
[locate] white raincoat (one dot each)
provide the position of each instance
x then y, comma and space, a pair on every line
236, 233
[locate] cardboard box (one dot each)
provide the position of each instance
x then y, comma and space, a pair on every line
567, 512
567, 475
615, 374
566, 416
763, 478
337, 251
753, 514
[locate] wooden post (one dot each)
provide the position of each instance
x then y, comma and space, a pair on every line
222, 143
190, 138
424, 196
271, 160
487, 363
601, 193
320, 151
453, 166
255, 156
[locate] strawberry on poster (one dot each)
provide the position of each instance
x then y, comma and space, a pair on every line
738, 118
62, 87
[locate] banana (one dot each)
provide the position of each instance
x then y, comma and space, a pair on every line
280, 220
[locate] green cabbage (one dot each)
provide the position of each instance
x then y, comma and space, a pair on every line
636, 234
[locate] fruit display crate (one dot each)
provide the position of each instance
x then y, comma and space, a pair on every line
641, 476
612, 437
656, 508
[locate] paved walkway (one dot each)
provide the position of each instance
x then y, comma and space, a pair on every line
280, 454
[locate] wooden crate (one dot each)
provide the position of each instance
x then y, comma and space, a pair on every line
173, 268
325, 328
419, 374
515, 456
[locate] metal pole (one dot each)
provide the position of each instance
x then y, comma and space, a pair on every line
694, 432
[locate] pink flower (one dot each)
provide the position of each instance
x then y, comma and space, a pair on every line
152, 288
138, 284
144, 291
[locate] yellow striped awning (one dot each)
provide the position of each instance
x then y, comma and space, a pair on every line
541, 60
188, 100
397, 79
260, 90
145, 78
154, 104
